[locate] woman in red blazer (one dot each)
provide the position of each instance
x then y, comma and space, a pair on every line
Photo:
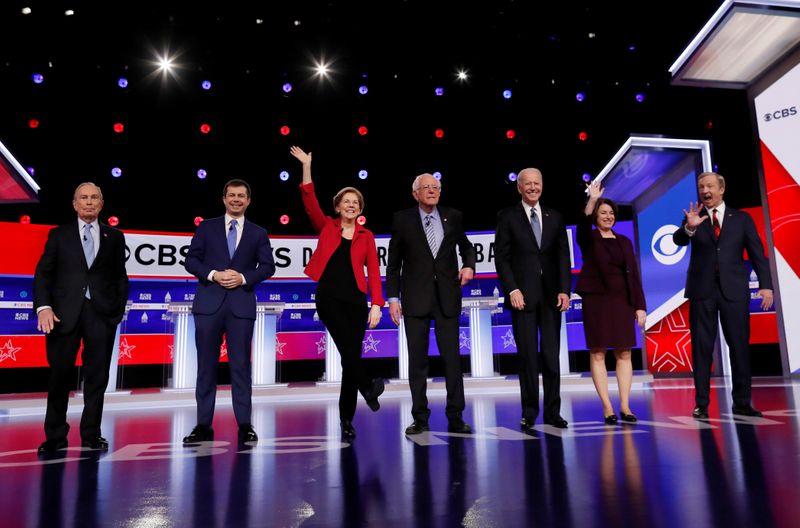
344, 248
611, 289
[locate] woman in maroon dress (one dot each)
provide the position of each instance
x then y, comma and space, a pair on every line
611, 289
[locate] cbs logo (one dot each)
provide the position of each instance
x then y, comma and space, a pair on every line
663, 248
780, 114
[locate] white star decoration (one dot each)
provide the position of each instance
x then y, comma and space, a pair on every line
279, 346
321, 345
508, 339
171, 351
9, 351
370, 343
125, 349
464, 340
223, 350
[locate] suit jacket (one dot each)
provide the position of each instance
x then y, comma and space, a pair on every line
209, 251
539, 273
362, 249
62, 276
414, 275
708, 255
597, 264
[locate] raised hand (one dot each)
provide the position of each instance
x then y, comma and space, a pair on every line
693, 218
595, 191
300, 154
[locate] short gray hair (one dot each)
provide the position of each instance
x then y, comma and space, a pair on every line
415, 186
720, 177
99, 190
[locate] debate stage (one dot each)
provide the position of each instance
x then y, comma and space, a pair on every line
668, 470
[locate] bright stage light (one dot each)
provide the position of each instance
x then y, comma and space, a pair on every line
119, 128
362, 174
510, 134
462, 75
24, 219
285, 130
113, 221
206, 85
122, 82
165, 64
580, 96
587, 177
38, 78
362, 131
361, 219
26, 10
439, 133
512, 176
640, 97
506, 94
439, 91
583, 136
284, 175
201, 173
287, 87
116, 172
437, 175
198, 220
205, 128
33, 123
322, 69
284, 219
363, 89
69, 12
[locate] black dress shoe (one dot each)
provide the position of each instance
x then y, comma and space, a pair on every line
700, 412
627, 418
372, 396
611, 419
200, 433
348, 431
95, 442
526, 424
52, 445
556, 421
746, 410
417, 427
458, 426
247, 433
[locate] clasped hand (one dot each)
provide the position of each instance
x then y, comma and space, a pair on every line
228, 279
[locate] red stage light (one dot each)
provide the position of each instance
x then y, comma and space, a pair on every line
510, 134
113, 221
197, 220
205, 128
709, 124
583, 136
24, 219
361, 220
439, 133
362, 131
284, 219
33, 123
119, 128
285, 130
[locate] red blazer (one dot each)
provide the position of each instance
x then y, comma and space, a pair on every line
362, 251
596, 264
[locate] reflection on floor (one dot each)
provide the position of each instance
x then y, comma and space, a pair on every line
668, 470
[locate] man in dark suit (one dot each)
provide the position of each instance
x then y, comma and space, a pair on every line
533, 265
229, 256
718, 286
79, 292
422, 272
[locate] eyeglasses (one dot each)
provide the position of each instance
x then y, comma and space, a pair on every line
436, 188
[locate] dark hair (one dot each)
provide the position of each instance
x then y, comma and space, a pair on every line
600, 202
236, 183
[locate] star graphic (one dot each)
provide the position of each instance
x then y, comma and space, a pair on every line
671, 342
370, 343
464, 340
223, 349
125, 348
508, 339
322, 346
9, 351
171, 351
279, 346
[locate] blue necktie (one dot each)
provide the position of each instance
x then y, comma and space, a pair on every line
88, 250
431, 234
232, 238
537, 229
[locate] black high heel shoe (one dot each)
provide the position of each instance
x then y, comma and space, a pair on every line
611, 419
628, 418
348, 431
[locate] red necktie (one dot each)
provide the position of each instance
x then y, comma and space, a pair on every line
715, 223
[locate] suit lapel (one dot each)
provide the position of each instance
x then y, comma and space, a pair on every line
525, 220
103, 238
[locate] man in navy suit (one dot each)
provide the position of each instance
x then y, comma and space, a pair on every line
229, 256
718, 286
79, 292
532, 261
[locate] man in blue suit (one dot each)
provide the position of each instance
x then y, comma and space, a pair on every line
718, 285
229, 256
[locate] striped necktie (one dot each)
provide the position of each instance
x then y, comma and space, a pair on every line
431, 234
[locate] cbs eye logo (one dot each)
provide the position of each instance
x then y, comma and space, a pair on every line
780, 114
663, 248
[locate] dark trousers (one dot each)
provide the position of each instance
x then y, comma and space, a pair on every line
238, 333
346, 323
97, 334
735, 319
528, 325
418, 334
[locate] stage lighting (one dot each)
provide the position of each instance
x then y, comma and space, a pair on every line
439, 133
285, 130
512, 176
205, 128
363, 89
631, 48
259, 21
437, 175
510, 134
462, 75
580, 96
165, 64
587, 177
113, 221
122, 82
287, 87
709, 124
361, 219
30, 170
24, 219
362, 131
640, 97
506, 94
284, 175
198, 220
206, 85
322, 69
583, 136
26, 10
116, 172
33, 123
119, 128
38, 78
201, 173
362, 174
284, 219
69, 12
439, 91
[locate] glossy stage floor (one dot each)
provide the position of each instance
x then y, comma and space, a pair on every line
668, 470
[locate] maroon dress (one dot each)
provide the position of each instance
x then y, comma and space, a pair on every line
609, 319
